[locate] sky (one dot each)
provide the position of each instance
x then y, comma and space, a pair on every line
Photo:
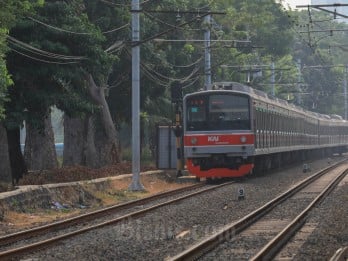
293, 3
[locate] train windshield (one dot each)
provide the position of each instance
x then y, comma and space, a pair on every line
218, 112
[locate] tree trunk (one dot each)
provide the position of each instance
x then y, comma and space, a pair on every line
40, 152
5, 167
18, 166
92, 140
79, 147
105, 135
74, 137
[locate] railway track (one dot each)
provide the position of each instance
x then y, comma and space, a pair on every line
24, 242
261, 234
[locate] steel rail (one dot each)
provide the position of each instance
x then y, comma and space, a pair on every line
229, 231
21, 235
340, 255
20, 251
275, 245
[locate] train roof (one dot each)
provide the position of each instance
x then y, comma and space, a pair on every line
262, 96
335, 116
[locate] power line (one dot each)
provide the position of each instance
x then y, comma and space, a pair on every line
56, 28
324, 31
77, 33
320, 7
200, 40
168, 24
165, 80
116, 29
172, 29
188, 65
40, 60
125, 5
40, 52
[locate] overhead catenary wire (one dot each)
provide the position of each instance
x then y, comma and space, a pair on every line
171, 29
57, 28
181, 66
125, 5
152, 77
77, 33
40, 52
40, 60
163, 82
194, 80
116, 29
170, 78
162, 79
168, 24
187, 65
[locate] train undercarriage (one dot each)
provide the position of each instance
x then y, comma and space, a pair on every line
219, 166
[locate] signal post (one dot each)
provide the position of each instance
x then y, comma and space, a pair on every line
176, 95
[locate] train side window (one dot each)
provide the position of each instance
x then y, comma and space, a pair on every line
262, 123
256, 113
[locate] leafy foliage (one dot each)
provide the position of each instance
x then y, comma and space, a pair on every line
322, 55
97, 35
71, 45
9, 12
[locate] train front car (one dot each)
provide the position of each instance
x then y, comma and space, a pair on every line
218, 133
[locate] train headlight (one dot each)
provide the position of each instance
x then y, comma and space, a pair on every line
243, 139
193, 141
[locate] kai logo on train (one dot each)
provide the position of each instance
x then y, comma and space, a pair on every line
213, 138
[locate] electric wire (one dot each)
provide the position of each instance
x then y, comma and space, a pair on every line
187, 65
194, 80
125, 5
57, 28
41, 60
77, 33
168, 24
182, 80
152, 77
179, 66
37, 51
165, 80
116, 29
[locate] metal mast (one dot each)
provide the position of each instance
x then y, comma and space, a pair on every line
136, 184
345, 91
207, 64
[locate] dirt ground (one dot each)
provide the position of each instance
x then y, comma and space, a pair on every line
116, 191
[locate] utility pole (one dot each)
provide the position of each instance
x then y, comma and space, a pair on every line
272, 79
207, 64
299, 81
345, 91
136, 183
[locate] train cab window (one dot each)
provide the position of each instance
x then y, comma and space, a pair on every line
229, 112
226, 111
196, 113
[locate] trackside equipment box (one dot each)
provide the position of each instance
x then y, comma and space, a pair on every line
166, 148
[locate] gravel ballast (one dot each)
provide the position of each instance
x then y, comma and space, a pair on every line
169, 230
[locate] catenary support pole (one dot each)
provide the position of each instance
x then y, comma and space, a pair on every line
299, 78
207, 67
136, 183
272, 79
345, 91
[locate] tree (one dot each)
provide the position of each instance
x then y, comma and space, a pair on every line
115, 20
5, 167
322, 55
9, 13
68, 47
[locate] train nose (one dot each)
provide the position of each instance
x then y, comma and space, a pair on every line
218, 159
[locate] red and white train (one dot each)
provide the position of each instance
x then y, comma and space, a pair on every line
233, 130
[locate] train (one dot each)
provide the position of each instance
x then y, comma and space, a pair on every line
233, 130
